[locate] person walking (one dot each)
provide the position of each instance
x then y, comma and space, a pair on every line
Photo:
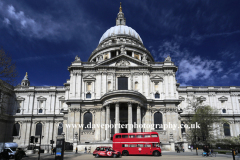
85, 149
207, 150
233, 153
178, 150
76, 150
183, 149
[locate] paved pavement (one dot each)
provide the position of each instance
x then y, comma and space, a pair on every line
165, 156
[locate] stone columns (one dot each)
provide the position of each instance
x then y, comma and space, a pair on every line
103, 121
117, 118
130, 128
138, 118
108, 122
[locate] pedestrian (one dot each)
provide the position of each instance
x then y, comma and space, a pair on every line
76, 150
191, 148
178, 150
54, 150
207, 150
183, 149
85, 149
204, 148
233, 153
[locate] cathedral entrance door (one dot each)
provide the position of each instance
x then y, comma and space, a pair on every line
123, 118
123, 129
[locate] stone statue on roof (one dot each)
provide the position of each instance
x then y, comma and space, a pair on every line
168, 59
77, 58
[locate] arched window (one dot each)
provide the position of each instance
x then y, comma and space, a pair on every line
157, 95
60, 129
136, 85
226, 128
38, 129
18, 110
87, 120
224, 111
16, 128
158, 121
88, 95
109, 86
182, 127
40, 111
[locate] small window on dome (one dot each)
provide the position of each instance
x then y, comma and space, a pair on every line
129, 53
113, 54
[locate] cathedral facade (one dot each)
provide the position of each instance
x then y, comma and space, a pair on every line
122, 85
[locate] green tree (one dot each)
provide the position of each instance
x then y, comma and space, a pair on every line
8, 72
202, 116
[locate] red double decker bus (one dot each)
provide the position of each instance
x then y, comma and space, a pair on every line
142, 143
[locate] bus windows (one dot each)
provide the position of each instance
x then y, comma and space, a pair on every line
118, 136
154, 135
139, 136
146, 135
139, 145
102, 149
97, 148
147, 145
124, 145
124, 136
132, 145
131, 136
156, 145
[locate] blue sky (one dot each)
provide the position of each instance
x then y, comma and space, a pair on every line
202, 37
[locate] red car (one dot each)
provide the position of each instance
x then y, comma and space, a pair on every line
104, 151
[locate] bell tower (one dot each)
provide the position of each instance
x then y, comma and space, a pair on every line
25, 81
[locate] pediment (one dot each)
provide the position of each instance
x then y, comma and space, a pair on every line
89, 77
156, 78
19, 98
201, 98
181, 98
122, 61
41, 98
61, 98
223, 98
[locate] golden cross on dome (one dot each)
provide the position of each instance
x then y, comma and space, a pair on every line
26, 73
120, 9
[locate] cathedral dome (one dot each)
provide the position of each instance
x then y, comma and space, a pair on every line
120, 30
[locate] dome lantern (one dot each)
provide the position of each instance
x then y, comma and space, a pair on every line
120, 20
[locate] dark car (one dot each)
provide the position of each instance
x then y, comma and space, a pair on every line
104, 151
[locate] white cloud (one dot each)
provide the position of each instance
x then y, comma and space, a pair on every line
191, 67
6, 21
33, 24
20, 17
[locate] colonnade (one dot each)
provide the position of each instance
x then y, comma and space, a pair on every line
105, 119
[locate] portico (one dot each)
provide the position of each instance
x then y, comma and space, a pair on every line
121, 116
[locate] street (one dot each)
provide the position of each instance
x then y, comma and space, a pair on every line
166, 155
